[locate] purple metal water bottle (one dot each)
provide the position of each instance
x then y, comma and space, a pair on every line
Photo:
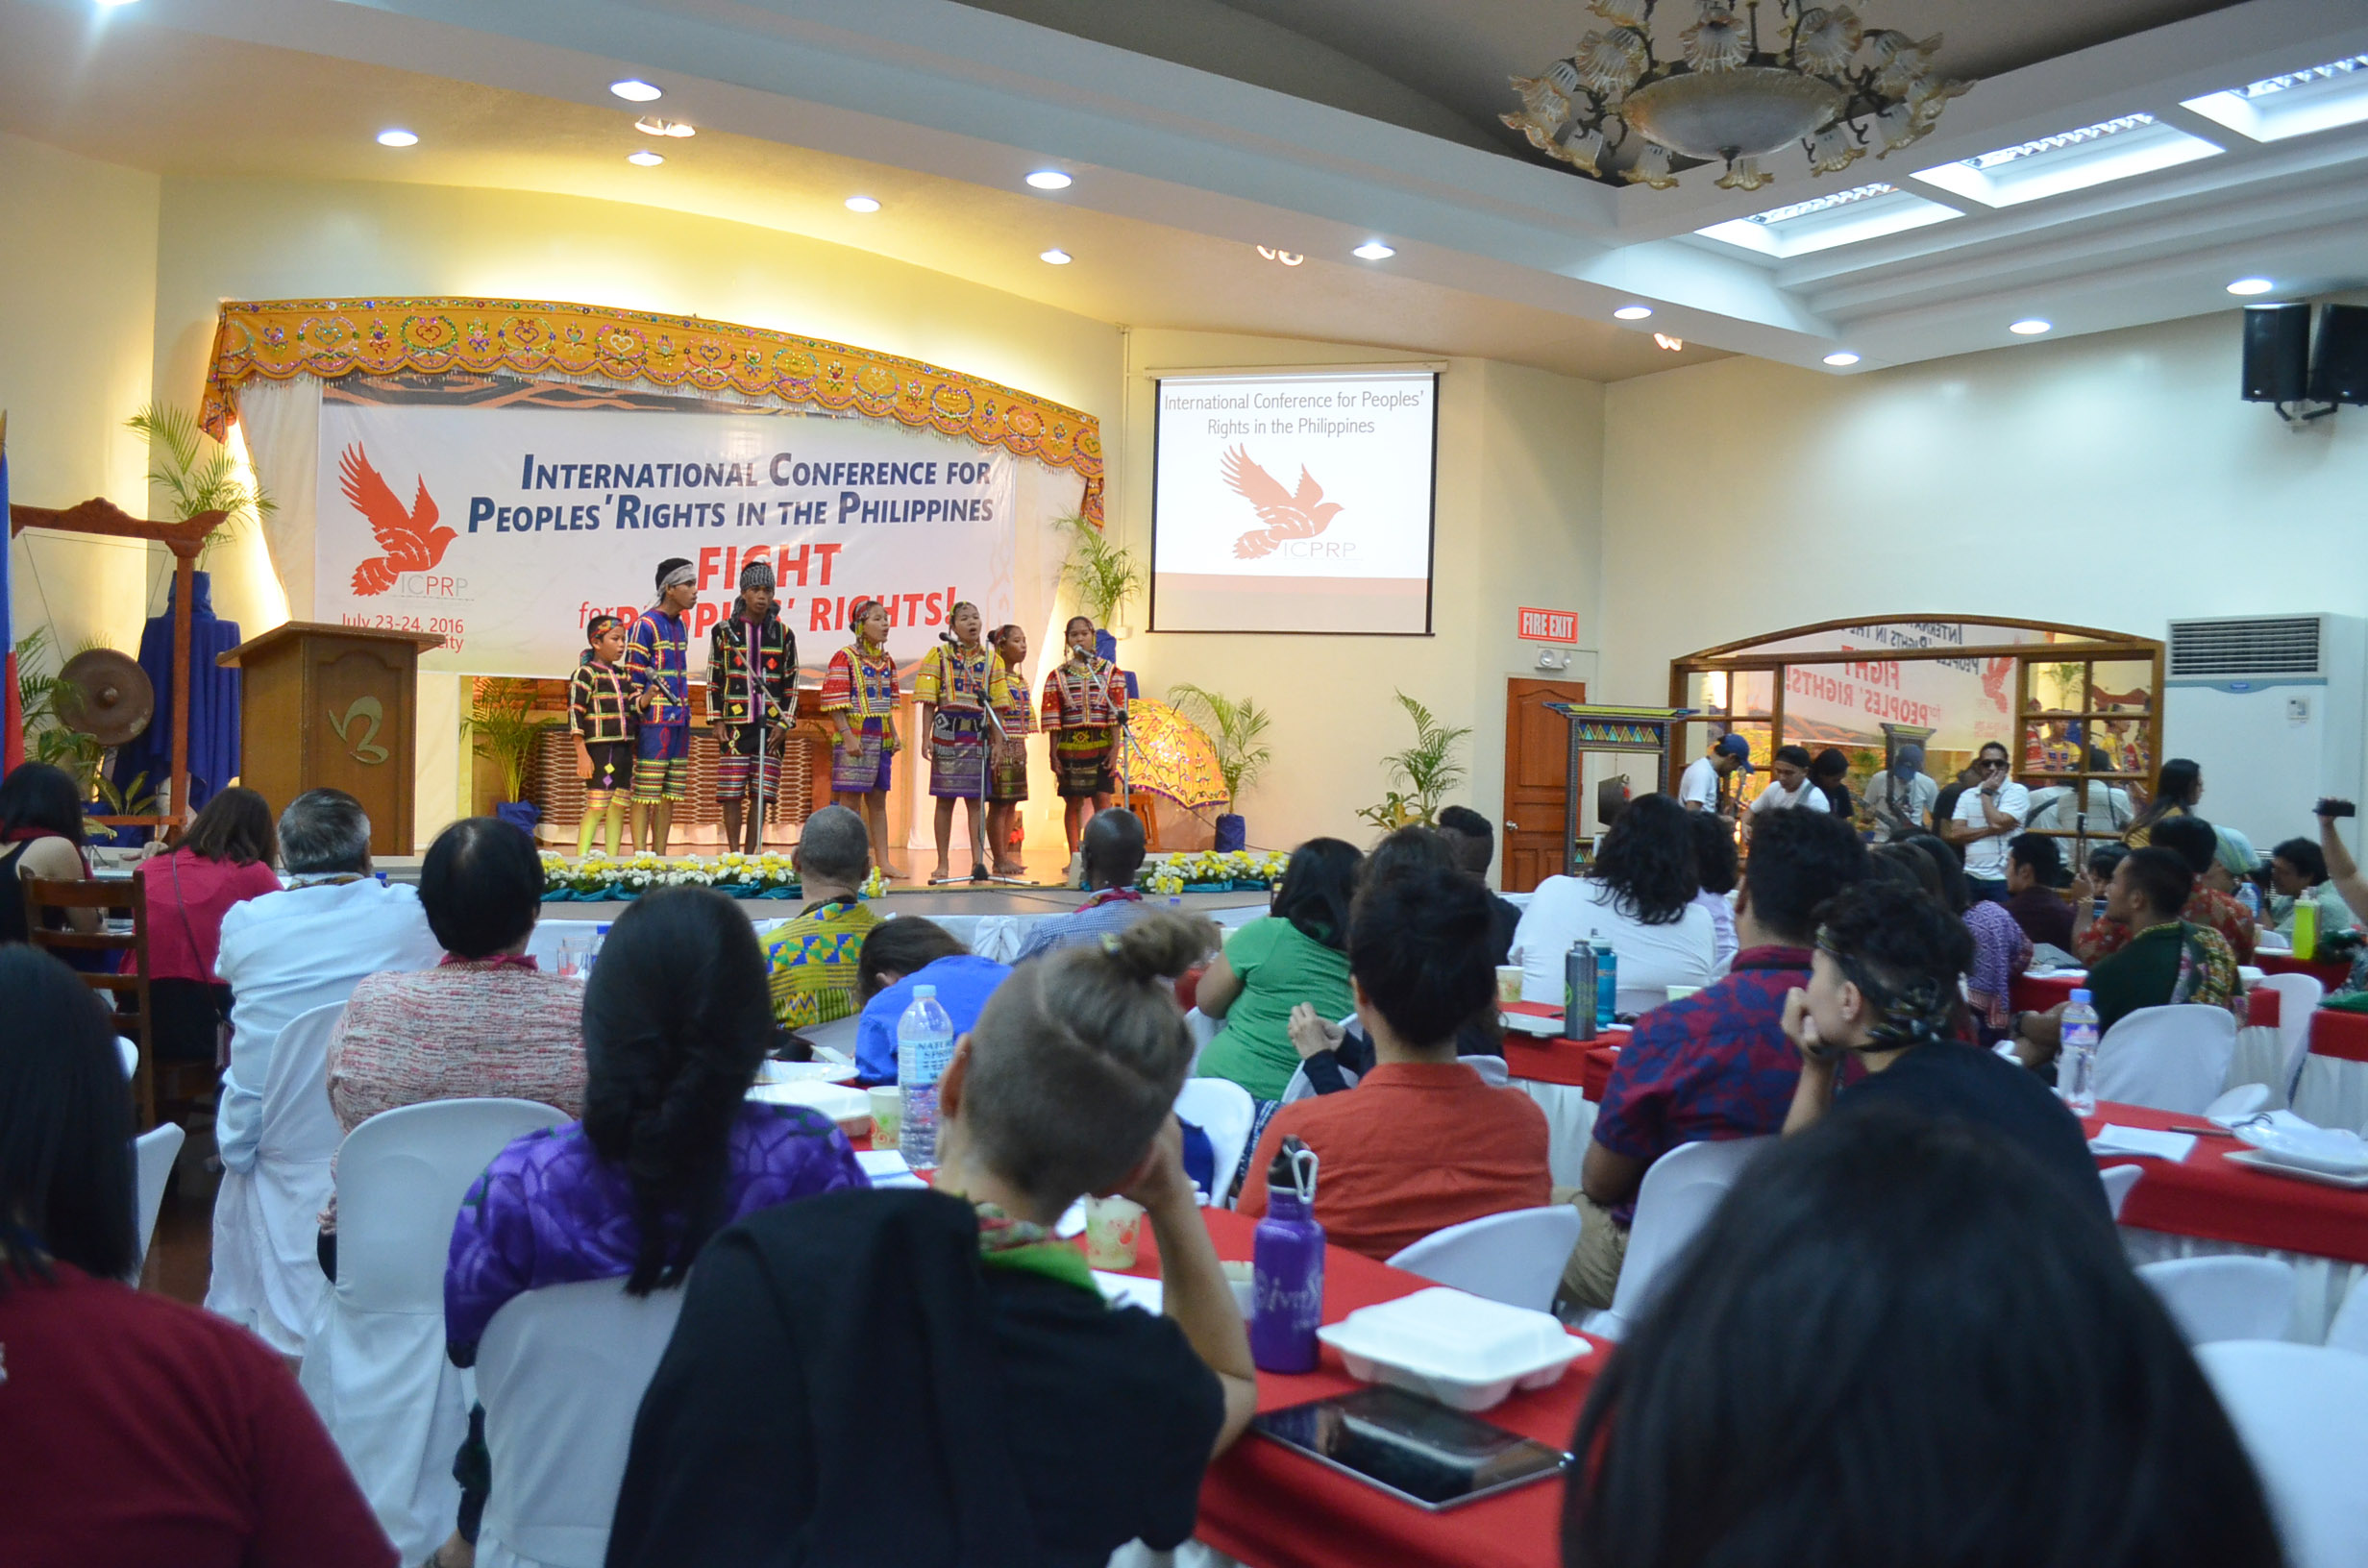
1287, 1267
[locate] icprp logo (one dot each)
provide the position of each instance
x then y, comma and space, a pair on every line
411, 540
1287, 515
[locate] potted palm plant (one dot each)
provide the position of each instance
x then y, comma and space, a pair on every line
503, 729
1102, 576
1428, 769
1235, 726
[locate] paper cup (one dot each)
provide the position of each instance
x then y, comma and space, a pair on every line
1112, 1228
1508, 982
1678, 994
887, 1115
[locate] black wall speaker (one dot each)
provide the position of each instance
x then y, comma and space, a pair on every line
2277, 352
2339, 363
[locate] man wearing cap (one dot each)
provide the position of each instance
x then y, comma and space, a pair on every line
657, 662
751, 700
1703, 785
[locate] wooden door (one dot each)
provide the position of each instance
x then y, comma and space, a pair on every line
1536, 790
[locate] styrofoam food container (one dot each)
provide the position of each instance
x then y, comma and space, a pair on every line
1465, 1351
797, 1072
1530, 1024
2336, 1150
843, 1103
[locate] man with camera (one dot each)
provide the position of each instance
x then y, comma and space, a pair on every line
1986, 815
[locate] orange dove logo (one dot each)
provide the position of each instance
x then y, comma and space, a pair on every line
1286, 515
411, 540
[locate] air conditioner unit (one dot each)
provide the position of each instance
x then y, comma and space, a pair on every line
2272, 708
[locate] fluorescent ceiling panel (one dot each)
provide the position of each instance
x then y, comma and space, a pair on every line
2070, 160
1841, 218
2295, 104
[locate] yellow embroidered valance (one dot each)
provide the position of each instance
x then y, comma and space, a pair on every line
280, 339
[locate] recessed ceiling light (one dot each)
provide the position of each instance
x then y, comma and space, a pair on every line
2030, 327
1838, 217
2074, 159
110, 5
1049, 180
2318, 98
2251, 285
1373, 250
647, 158
863, 204
634, 90
653, 125
1056, 256
1841, 356
1632, 312
393, 137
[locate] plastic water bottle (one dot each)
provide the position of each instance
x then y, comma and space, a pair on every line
2076, 1063
1607, 981
925, 1045
1287, 1267
2250, 897
2306, 927
1579, 991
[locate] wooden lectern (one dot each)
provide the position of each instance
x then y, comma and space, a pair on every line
331, 707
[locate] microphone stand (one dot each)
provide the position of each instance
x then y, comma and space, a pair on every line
762, 711
979, 855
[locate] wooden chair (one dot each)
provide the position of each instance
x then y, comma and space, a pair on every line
127, 992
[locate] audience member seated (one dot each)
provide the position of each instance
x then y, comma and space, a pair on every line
677, 1021
1714, 870
2001, 951
2343, 871
2195, 842
1474, 843
812, 959
2179, 787
1714, 1064
1639, 896
1851, 1363
2097, 809
924, 1378
1987, 813
1883, 988
2033, 867
132, 1429
1788, 788
1901, 798
40, 840
898, 955
1421, 1144
1297, 954
283, 954
224, 859
2170, 961
1113, 851
2297, 874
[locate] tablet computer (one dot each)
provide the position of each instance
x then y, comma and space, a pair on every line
1413, 1448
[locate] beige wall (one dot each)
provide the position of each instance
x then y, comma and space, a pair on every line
78, 273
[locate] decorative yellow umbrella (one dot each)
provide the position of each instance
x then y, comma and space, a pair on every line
1169, 755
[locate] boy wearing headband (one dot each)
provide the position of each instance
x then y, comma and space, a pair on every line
752, 701
600, 711
657, 661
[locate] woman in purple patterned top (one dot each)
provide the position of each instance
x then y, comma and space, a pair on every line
677, 1021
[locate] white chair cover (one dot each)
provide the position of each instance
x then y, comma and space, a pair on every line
1515, 1258
1299, 1088
1679, 1193
2241, 1101
560, 1373
376, 1369
1204, 1029
2297, 997
2170, 1057
2349, 1331
128, 1050
155, 1149
1224, 1111
2118, 1180
2301, 1412
266, 1221
2225, 1298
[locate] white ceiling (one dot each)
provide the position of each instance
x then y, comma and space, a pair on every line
1197, 129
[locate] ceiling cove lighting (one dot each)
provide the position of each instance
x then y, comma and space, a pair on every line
1289, 258
1632, 312
1840, 358
2030, 327
2092, 155
651, 125
647, 158
1675, 344
1055, 256
395, 137
634, 90
2316, 98
2251, 285
1373, 250
863, 204
1845, 217
1050, 180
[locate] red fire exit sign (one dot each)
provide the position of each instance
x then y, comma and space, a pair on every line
1548, 626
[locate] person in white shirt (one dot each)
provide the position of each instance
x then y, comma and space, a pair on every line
1900, 799
1788, 788
1987, 815
1639, 895
1698, 785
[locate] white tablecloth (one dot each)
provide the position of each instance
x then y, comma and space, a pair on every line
2334, 1093
1569, 1123
2320, 1284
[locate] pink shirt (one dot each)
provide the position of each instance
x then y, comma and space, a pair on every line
457, 1032
188, 895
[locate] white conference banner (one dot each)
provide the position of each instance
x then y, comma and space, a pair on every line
504, 531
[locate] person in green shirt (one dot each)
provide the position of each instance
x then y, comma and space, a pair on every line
1299, 953
2169, 961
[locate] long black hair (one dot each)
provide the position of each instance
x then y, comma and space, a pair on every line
1853, 1359
2176, 788
65, 1127
1646, 859
1830, 773
36, 794
1318, 890
677, 1019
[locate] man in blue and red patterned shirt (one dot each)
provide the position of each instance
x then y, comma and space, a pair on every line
1714, 1064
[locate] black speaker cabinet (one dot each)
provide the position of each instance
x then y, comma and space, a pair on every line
2340, 362
2277, 352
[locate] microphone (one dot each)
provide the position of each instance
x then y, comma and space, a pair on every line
947, 638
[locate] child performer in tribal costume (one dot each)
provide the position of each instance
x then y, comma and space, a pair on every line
658, 660
1085, 700
859, 697
599, 712
752, 702
1007, 696
953, 685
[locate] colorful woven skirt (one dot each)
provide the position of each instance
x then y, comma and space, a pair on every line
740, 750
867, 770
1006, 771
958, 755
1081, 760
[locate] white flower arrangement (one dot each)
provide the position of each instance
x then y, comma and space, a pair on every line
766, 873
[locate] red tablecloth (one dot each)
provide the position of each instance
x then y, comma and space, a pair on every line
2339, 1033
2330, 975
1542, 1059
2207, 1196
2038, 992
1266, 1505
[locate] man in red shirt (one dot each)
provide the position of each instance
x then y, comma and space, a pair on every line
1421, 1142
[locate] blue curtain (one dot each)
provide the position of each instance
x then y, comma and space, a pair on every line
214, 703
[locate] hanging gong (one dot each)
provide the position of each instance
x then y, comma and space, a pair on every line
105, 696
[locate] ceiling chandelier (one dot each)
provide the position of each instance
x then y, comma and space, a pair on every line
1728, 99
